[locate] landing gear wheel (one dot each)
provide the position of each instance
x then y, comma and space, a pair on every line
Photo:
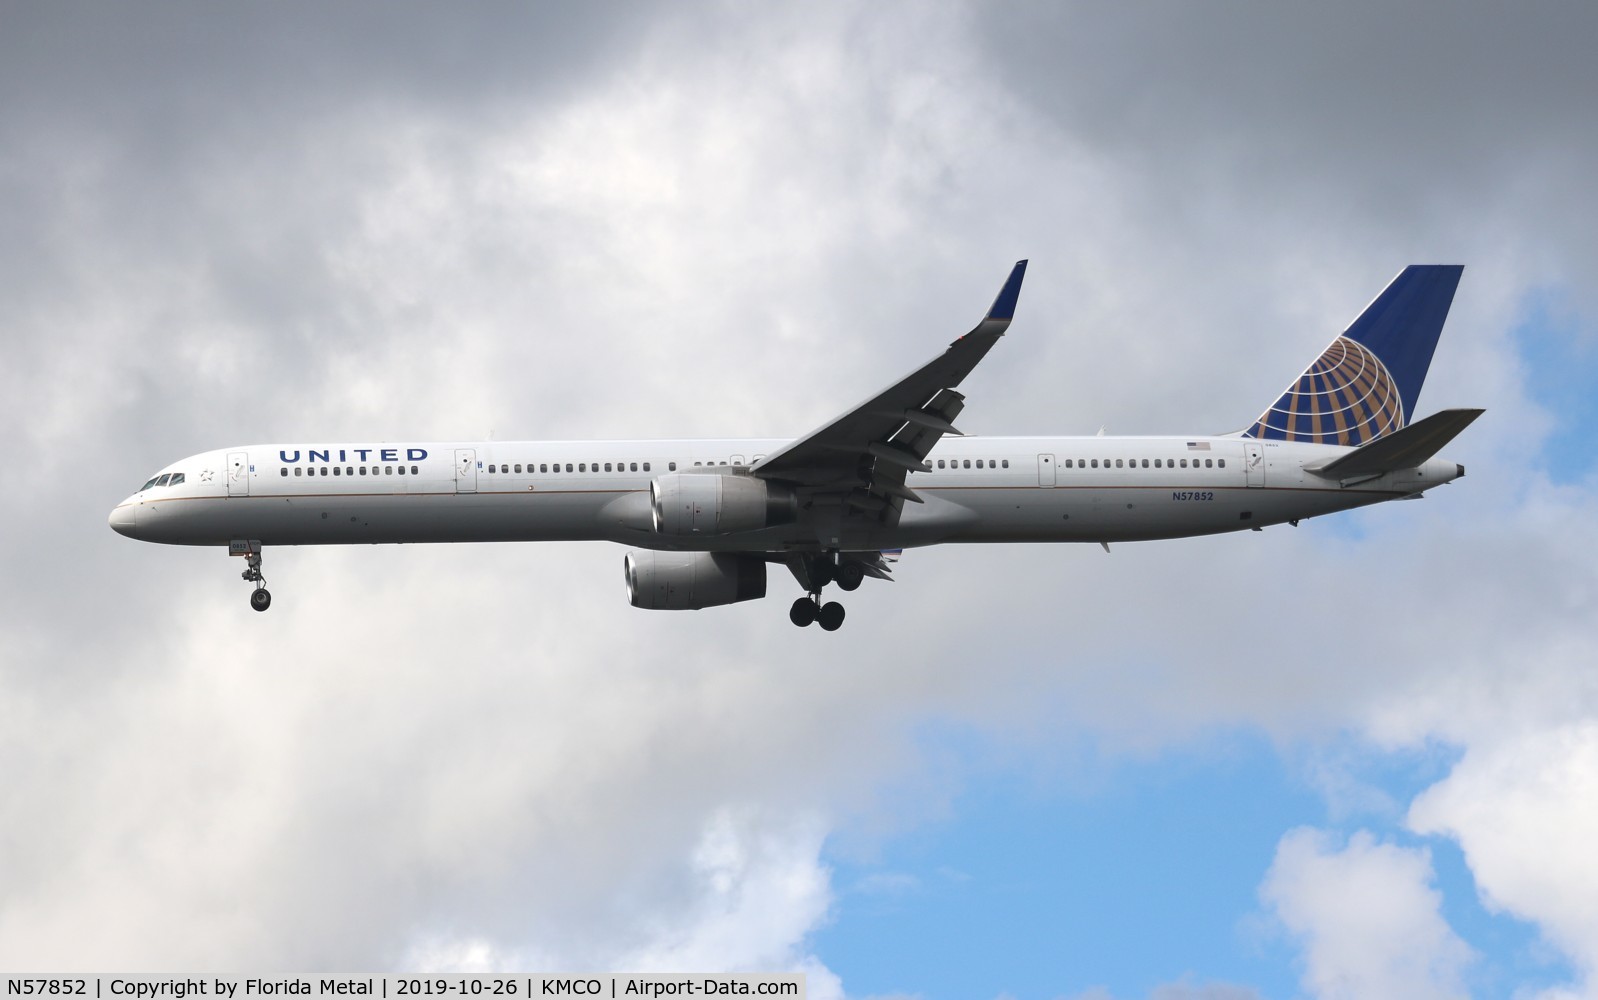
849, 575
261, 599
822, 571
830, 615
803, 612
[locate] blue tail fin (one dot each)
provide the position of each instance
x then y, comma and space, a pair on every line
1365, 384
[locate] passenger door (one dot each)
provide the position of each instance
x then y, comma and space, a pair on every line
465, 470
1046, 471
1254, 463
238, 474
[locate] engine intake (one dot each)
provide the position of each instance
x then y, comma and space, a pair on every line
687, 581
710, 504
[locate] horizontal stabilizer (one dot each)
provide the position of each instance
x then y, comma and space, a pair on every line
1404, 448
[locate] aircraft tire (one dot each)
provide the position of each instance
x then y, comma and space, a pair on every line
261, 599
830, 615
803, 612
850, 575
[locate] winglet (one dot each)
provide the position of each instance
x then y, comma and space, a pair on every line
1004, 305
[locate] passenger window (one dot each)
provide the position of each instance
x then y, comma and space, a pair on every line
1118, 463
415, 471
299, 471
673, 467
1007, 463
568, 467
968, 463
1145, 463
1209, 463
363, 470
646, 466
335, 470
388, 470
283, 471
634, 467
1068, 463
1223, 463
1095, 463
979, 463
607, 466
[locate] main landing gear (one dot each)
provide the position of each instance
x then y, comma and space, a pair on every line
814, 574
810, 609
260, 597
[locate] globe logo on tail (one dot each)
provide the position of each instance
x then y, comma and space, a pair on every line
1346, 397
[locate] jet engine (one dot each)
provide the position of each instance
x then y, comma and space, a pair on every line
687, 581
709, 504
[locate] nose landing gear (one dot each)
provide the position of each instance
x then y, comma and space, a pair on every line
260, 597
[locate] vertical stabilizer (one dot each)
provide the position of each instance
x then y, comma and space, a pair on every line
1366, 383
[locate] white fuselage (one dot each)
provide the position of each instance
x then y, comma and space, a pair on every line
981, 489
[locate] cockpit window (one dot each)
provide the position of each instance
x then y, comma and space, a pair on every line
148, 484
163, 480
177, 479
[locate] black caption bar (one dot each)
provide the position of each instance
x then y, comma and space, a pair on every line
454, 986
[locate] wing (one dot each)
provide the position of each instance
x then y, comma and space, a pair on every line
863, 455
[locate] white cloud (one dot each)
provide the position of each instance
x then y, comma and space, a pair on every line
1367, 917
1524, 809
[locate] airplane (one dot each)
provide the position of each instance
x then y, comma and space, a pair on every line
704, 519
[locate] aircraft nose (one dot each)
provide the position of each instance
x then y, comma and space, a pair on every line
123, 518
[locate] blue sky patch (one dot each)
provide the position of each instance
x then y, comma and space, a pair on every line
1561, 370
1128, 874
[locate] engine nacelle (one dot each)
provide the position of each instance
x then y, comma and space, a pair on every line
687, 503
687, 581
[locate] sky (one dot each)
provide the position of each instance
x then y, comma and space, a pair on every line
1358, 758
